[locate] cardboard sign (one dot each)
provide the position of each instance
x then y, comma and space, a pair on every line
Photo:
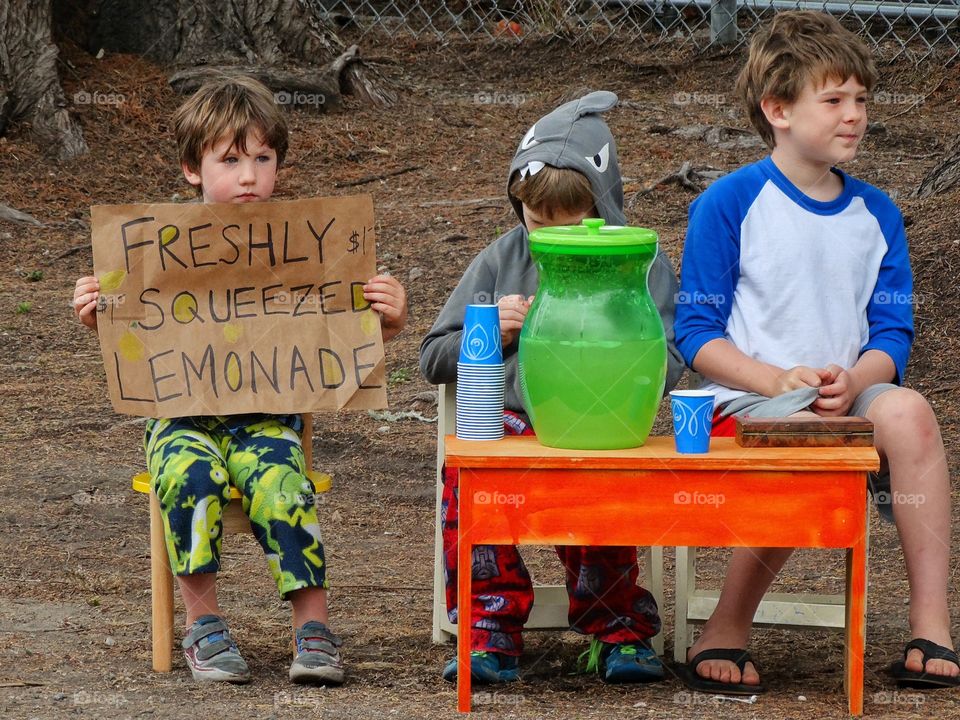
235, 308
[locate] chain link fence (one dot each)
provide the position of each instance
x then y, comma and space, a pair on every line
919, 30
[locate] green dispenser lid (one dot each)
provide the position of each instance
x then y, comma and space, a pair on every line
592, 237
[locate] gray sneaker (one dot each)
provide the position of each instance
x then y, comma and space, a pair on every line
318, 656
212, 654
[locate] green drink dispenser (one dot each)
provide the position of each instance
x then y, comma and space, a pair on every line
593, 355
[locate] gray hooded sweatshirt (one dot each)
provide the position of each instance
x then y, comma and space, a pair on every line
572, 136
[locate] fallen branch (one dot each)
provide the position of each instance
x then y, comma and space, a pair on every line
354, 75
944, 176
477, 208
319, 92
75, 249
460, 203
374, 178
681, 176
14, 215
687, 176
387, 416
24, 683
917, 102
386, 587
942, 389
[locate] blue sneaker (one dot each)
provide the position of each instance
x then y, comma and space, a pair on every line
486, 668
623, 662
318, 656
212, 654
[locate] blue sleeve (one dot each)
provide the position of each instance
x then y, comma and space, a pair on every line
709, 271
890, 310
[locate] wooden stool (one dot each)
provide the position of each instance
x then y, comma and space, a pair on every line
805, 611
161, 577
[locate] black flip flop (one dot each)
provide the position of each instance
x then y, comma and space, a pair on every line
738, 656
920, 680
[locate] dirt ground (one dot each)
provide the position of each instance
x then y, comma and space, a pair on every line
74, 583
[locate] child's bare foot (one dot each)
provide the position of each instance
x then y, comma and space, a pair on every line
724, 671
935, 666
933, 624
939, 661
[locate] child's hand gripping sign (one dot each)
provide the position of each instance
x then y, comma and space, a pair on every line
228, 309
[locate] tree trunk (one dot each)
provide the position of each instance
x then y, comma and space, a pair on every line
945, 175
283, 42
29, 87
259, 36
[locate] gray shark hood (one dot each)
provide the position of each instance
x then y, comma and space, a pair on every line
574, 136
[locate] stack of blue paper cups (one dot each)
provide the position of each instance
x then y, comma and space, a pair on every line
480, 376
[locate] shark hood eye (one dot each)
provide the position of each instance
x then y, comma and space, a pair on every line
601, 159
528, 141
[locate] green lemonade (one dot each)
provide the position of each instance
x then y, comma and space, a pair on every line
599, 395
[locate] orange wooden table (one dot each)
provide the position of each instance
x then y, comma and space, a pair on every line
515, 491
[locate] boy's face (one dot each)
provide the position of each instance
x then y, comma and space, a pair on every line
824, 125
534, 219
228, 175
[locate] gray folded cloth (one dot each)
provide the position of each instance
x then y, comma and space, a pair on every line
783, 405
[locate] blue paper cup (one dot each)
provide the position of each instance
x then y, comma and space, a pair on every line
481, 336
692, 420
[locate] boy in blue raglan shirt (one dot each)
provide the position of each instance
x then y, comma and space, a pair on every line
797, 296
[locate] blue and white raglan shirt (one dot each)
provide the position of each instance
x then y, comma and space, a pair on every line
794, 281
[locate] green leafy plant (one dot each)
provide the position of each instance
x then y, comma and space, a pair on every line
35, 276
398, 376
551, 17
23, 308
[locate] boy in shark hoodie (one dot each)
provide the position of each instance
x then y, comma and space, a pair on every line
564, 170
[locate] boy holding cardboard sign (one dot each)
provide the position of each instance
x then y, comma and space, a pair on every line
231, 138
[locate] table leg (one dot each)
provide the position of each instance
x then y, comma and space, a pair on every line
464, 591
856, 624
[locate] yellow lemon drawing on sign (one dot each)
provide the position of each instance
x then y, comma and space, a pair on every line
233, 372
184, 308
131, 347
332, 371
359, 301
110, 281
168, 235
369, 322
232, 332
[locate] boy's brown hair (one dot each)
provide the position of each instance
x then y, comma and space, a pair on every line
554, 190
797, 47
232, 106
